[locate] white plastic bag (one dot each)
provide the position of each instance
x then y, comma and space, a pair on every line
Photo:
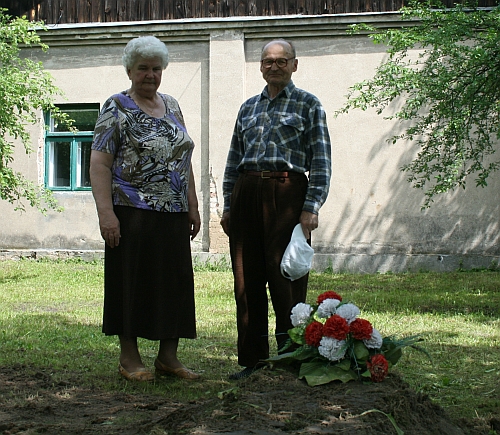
297, 259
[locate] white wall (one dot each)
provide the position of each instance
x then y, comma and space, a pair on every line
372, 220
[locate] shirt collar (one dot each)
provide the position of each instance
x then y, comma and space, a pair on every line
288, 89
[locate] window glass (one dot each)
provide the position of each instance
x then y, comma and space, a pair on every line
67, 156
83, 164
84, 119
60, 156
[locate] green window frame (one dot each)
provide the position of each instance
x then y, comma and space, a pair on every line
67, 153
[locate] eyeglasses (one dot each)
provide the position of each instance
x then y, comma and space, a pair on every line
281, 62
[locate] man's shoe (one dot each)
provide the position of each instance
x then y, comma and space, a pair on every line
246, 372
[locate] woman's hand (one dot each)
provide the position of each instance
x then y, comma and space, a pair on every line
100, 177
194, 222
193, 213
110, 228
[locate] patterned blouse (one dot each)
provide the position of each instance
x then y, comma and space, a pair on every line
152, 156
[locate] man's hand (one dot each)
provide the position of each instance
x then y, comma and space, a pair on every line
309, 222
224, 221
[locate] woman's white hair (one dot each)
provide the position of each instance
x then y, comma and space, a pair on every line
146, 47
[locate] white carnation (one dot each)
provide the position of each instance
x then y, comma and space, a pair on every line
327, 308
375, 341
300, 314
332, 349
348, 311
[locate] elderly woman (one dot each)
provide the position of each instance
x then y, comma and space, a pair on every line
143, 186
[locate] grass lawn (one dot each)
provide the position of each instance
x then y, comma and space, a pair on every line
50, 316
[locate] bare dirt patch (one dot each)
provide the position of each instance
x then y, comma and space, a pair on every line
269, 402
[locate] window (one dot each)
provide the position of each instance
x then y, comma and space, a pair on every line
67, 154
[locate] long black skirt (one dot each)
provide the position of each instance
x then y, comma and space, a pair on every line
148, 277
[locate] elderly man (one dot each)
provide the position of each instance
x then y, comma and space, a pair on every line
279, 136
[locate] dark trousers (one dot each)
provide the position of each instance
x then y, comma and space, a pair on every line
263, 215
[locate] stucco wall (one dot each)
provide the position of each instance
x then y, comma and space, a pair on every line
372, 219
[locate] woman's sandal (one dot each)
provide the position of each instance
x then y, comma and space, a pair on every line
140, 375
181, 372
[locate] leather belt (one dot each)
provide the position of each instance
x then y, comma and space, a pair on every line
271, 174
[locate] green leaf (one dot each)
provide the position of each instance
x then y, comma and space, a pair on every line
393, 355
297, 334
392, 347
361, 352
318, 373
389, 416
344, 364
301, 354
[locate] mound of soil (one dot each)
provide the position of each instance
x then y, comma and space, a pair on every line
268, 402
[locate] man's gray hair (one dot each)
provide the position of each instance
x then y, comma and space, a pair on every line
283, 42
146, 47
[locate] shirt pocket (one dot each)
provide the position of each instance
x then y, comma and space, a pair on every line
250, 131
290, 131
248, 123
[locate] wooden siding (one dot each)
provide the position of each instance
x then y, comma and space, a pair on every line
84, 11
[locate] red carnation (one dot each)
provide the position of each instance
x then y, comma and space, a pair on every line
314, 333
378, 367
336, 327
361, 329
328, 295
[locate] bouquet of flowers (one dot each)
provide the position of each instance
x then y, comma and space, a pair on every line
335, 344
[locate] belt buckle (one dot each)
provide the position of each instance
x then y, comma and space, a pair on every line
262, 174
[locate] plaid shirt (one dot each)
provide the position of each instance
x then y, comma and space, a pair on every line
287, 133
